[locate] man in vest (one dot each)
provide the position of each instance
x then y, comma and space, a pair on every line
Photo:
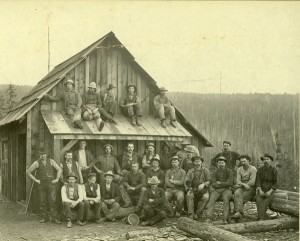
110, 197
150, 153
109, 100
92, 197
72, 198
164, 107
131, 105
222, 181
91, 105
129, 157
46, 184
72, 101
197, 182
69, 165
84, 158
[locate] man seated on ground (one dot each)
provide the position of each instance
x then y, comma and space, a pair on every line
163, 108
131, 105
110, 197
109, 102
146, 161
92, 197
222, 181
72, 103
153, 200
134, 183
266, 184
72, 198
187, 163
244, 189
174, 181
128, 157
197, 182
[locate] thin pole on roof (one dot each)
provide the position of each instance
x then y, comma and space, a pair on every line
48, 51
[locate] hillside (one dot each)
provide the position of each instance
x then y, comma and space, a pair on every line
21, 90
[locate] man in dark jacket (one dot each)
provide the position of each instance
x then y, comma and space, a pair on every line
128, 157
110, 197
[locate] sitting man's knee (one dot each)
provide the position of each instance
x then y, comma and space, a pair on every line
86, 116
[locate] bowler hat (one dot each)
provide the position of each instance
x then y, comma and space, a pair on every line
72, 174
197, 158
111, 86
190, 149
69, 81
266, 155
42, 151
104, 147
163, 89
228, 142
153, 180
109, 173
93, 85
221, 158
91, 175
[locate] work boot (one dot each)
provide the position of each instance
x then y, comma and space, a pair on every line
43, 220
57, 221
173, 123
237, 215
69, 224
133, 122
163, 123
77, 124
80, 223
101, 125
113, 121
138, 118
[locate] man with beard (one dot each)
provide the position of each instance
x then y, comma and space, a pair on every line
244, 190
129, 157
222, 181
146, 161
197, 182
187, 163
165, 158
92, 197
69, 165
182, 154
266, 184
131, 105
109, 101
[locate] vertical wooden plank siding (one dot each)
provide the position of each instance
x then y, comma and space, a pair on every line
53, 104
109, 66
93, 66
147, 99
114, 69
129, 69
103, 72
76, 78
119, 78
139, 85
56, 149
81, 81
59, 90
98, 70
87, 72
124, 77
28, 152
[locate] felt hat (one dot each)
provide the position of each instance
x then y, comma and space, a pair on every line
111, 86
91, 175
244, 156
93, 85
154, 159
174, 158
150, 144
266, 155
69, 81
197, 158
72, 174
42, 151
190, 149
185, 142
109, 173
104, 147
163, 89
228, 142
221, 158
153, 180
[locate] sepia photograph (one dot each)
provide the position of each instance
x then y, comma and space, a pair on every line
149, 120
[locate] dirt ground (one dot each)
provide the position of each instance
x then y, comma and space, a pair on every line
14, 226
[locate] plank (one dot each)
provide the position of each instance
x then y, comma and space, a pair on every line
87, 73
109, 66
81, 81
61, 125
76, 78
56, 150
98, 70
119, 80
149, 128
53, 104
138, 85
155, 123
124, 77
50, 122
114, 70
28, 153
103, 68
129, 70
68, 146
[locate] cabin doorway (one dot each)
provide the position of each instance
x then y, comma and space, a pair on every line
21, 187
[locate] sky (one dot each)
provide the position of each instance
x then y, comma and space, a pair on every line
204, 47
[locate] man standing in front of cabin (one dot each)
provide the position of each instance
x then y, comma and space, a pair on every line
146, 161
72, 198
46, 184
128, 158
163, 108
72, 102
131, 105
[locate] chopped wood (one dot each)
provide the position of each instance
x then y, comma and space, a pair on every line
147, 232
285, 206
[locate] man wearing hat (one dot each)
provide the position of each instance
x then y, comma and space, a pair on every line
69, 165
266, 184
130, 156
150, 153
72, 198
109, 100
110, 197
46, 184
174, 181
92, 198
153, 203
222, 181
197, 182
131, 105
155, 170
182, 154
187, 163
165, 158
164, 108
244, 190
72, 103
106, 162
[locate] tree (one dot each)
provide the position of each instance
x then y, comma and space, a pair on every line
10, 97
2, 104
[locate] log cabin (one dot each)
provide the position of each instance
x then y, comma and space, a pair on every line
36, 123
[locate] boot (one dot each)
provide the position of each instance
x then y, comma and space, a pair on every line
173, 123
138, 118
163, 123
100, 125
77, 124
113, 121
133, 121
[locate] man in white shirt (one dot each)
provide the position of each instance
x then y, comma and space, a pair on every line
72, 198
92, 197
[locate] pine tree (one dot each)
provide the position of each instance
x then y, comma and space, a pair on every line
10, 97
2, 105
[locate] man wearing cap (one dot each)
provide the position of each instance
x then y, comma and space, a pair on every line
129, 157
164, 107
131, 105
266, 184
109, 100
72, 198
150, 153
84, 158
46, 184
134, 183
174, 182
153, 203
197, 182
222, 181
72, 103
244, 190
187, 163
106, 162
231, 157
110, 197
182, 154
92, 197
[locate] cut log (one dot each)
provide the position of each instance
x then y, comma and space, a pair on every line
262, 226
294, 196
207, 232
152, 231
285, 206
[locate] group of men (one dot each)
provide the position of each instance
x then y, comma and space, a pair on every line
93, 106
170, 185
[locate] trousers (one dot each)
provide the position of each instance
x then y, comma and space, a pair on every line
47, 195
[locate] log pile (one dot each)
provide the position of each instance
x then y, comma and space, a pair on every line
286, 202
